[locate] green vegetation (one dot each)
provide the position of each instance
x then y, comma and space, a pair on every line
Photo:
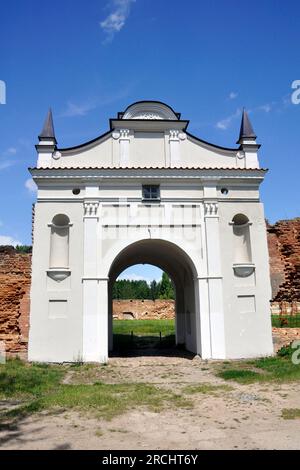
39, 388
286, 321
290, 413
18, 379
143, 334
23, 249
144, 327
126, 289
279, 368
239, 375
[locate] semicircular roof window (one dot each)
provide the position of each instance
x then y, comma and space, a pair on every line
150, 110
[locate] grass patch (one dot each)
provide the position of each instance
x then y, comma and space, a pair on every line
290, 413
239, 375
143, 334
39, 388
144, 327
206, 389
278, 369
103, 400
21, 380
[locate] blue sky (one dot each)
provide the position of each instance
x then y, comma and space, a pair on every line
89, 60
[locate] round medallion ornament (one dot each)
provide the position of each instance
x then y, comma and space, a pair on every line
56, 155
116, 135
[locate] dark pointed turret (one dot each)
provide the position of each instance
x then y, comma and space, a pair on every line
47, 142
48, 129
248, 146
246, 131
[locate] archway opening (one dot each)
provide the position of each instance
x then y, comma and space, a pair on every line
143, 310
154, 334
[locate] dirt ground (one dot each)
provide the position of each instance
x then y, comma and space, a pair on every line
245, 417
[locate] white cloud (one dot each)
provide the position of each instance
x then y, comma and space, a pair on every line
223, 124
30, 185
115, 21
232, 95
135, 277
73, 109
265, 107
6, 164
107, 98
7, 240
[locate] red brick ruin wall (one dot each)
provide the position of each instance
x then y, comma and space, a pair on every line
15, 277
15, 271
284, 252
143, 309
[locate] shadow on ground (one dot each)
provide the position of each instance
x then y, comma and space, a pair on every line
150, 345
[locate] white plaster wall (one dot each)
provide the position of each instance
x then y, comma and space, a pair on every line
195, 153
247, 334
146, 150
56, 338
98, 154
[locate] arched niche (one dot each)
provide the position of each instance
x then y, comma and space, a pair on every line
59, 247
242, 242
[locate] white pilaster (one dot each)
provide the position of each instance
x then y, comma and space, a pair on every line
45, 150
180, 316
251, 158
44, 160
174, 147
95, 314
197, 317
202, 303
124, 147
214, 279
102, 345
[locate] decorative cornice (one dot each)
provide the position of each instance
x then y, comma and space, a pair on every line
219, 175
176, 134
122, 134
210, 209
90, 208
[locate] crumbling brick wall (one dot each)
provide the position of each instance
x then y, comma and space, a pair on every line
15, 279
143, 309
284, 251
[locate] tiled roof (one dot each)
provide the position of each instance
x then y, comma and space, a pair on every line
148, 168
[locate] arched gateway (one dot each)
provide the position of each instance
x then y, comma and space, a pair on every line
148, 191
